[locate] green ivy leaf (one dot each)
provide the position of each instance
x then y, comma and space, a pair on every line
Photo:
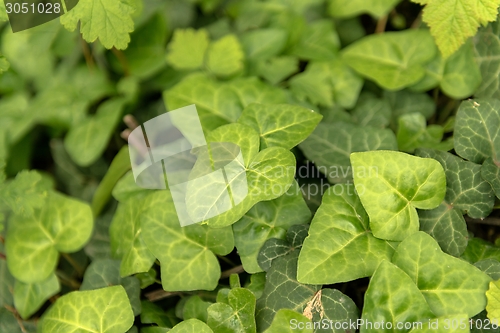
281, 125
105, 273
346, 8
493, 305
153, 314
263, 44
6, 285
327, 83
32, 243
413, 132
107, 310
282, 290
268, 219
393, 297
404, 102
195, 307
449, 285
187, 48
277, 69
86, 142
289, 321
126, 238
451, 22
9, 323
490, 267
24, 194
400, 184
372, 111
29, 297
225, 56
330, 146
319, 41
487, 55
186, 254
108, 20
394, 60
340, 246
191, 326
476, 130
236, 316
478, 249
491, 172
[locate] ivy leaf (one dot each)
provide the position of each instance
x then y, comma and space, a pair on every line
185, 253
413, 132
493, 305
327, 83
265, 220
9, 323
490, 267
225, 56
105, 273
276, 69
393, 297
394, 60
487, 55
404, 102
491, 172
153, 314
195, 307
107, 311
372, 111
319, 41
191, 326
478, 249
346, 8
126, 238
477, 134
108, 20
86, 142
400, 184
6, 285
236, 316
280, 125
289, 321
340, 246
451, 22
24, 194
449, 285
62, 224
282, 290
263, 44
330, 146
29, 297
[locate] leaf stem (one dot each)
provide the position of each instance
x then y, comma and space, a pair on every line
226, 260
122, 59
416, 23
16, 315
159, 294
87, 54
488, 220
72, 283
235, 270
79, 269
381, 24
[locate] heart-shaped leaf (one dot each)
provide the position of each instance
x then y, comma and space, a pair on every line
236, 316
340, 246
186, 254
106, 310
32, 243
29, 297
449, 285
391, 185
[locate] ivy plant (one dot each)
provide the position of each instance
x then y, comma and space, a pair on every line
369, 133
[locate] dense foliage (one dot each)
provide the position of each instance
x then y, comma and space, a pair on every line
370, 134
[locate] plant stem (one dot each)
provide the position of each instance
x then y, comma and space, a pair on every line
235, 270
87, 54
381, 24
79, 269
488, 220
122, 59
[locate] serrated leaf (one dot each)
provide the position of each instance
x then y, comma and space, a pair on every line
29, 297
346, 8
449, 285
400, 184
225, 56
187, 48
327, 83
394, 60
126, 238
268, 219
86, 142
477, 130
108, 20
282, 290
105, 273
330, 146
236, 316
393, 297
289, 321
186, 254
107, 310
493, 305
490, 267
24, 194
340, 246
451, 22
413, 132
281, 125
32, 243
191, 326
487, 55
